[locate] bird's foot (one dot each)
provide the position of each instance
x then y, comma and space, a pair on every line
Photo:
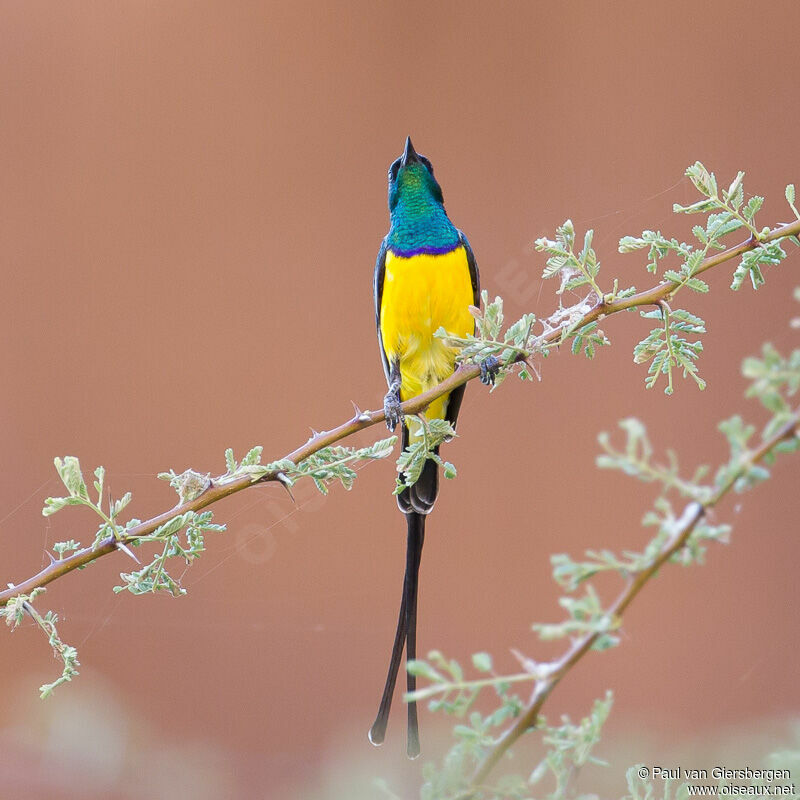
489, 368
391, 408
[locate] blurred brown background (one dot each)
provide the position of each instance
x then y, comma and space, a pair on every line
194, 194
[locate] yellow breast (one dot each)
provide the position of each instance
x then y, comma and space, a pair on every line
421, 294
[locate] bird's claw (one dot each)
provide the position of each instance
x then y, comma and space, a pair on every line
489, 368
391, 409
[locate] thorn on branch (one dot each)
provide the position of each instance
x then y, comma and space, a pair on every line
528, 664
360, 416
128, 552
284, 481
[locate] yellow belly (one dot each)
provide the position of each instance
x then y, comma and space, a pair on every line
421, 294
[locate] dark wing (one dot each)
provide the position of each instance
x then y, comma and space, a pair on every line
474, 275
377, 291
457, 395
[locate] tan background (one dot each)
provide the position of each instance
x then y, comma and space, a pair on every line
194, 194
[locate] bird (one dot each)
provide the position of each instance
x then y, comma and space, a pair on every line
425, 278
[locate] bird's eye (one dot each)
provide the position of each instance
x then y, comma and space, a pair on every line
427, 163
394, 169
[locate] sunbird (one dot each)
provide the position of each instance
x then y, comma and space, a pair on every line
425, 278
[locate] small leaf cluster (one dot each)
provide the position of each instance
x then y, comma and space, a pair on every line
670, 524
767, 254
666, 348
63, 548
636, 459
569, 322
324, 467
658, 247
570, 747
477, 733
69, 470
586, 616
728, 212
334, 463
741, 471
14, 612
252, 467
154, 577
575, 269
425, 436
774, 379
570, 574
514, 345
508, 346
587, 338
447, 679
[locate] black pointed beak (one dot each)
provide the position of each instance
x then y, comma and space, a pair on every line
409, 154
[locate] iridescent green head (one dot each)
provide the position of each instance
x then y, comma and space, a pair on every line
416, 207
411, 180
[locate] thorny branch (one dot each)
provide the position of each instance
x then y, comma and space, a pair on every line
590, 310
550, 674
